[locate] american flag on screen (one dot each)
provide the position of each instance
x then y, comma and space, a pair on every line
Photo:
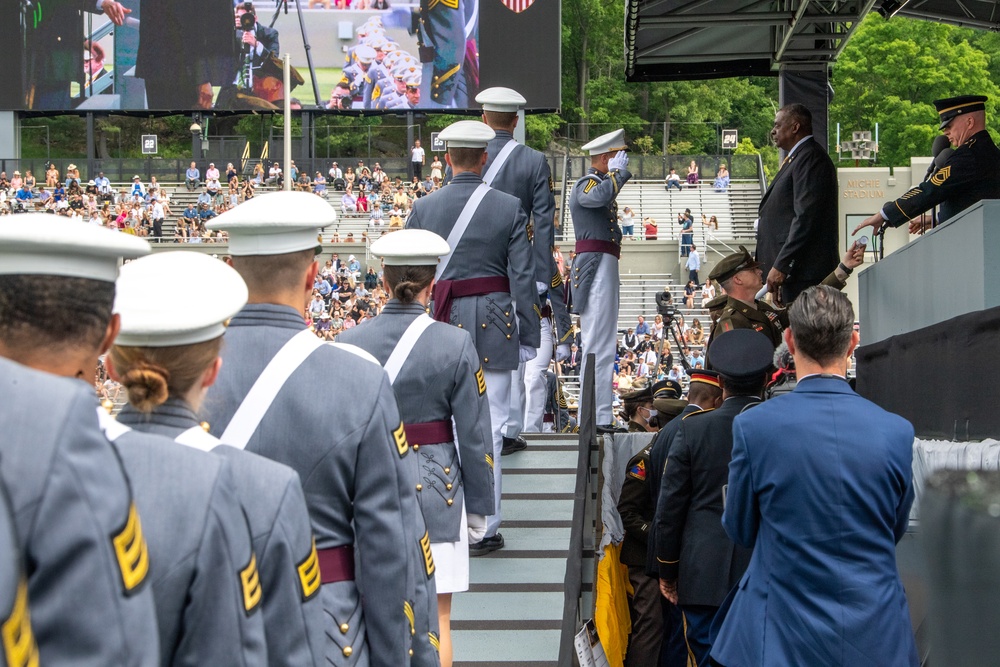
517, 6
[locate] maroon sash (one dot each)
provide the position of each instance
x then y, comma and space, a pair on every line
336, 564
429, 433
591, 245
446, 290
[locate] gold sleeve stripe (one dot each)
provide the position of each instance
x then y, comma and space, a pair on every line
538, 311
425, 547
18, 641
556, 280
435, 642
408, 612
309, 575
131, 551
589, 186
250, 583
941, 176
489, 461
399, 435
480, 381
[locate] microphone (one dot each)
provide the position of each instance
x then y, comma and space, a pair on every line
940, 145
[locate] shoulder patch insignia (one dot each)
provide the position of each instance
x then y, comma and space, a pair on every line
131, 551
726, 325
250, 584
425, 548
556, 280
399, 435
309, 575
18, 641
480, 381
377, 92
941, 176
638, 470
589, 186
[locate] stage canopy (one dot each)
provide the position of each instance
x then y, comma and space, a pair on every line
671, 40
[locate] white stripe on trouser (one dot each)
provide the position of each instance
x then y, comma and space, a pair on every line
515, 416
498, 394
598, 334
534, 381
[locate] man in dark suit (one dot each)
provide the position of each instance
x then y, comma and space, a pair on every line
572, 365
797, 230
820, 485
256, 43
698, 563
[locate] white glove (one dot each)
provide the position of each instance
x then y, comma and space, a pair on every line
562, 352
619, 161
526, 353
477, 528
398, 17
541, 287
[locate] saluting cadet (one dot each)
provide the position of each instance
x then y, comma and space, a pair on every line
595, 270
355, 464
436, 375
19, 647
177, 334
486, 283
76, 519
524, 172
698, 562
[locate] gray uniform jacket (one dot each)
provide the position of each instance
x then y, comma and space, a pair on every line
495, 244
202, 566
595, 217
356, 470
18, 647
441, 380
80, 534
525, 174
272, 498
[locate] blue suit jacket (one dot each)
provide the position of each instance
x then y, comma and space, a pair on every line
820, 485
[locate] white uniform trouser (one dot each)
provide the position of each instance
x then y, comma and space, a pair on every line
515, 416
534, 381
498, 395
598, 333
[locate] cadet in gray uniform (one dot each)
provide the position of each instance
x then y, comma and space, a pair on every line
524, 172
355, 464
486, 285
78, 525
436, 375
199, 547
188, 319
595, 270
18, 645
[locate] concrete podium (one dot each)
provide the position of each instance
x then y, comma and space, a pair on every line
930, 316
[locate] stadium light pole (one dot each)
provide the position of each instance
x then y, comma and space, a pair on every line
195, 138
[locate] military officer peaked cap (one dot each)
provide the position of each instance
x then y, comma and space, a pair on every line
276, 223
667, 398
733, 264
411, 247
41, 244
717, 303
745, 355
467, 134
705, 377
176, 298
505, 100
364, 54
951, 107
607, 143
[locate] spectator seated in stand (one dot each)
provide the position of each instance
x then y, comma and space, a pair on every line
303, 183
375, 218
274, 175
348, 202
138, 191
673, 180
206, 199
192, 177
319, 184
721, 182
692, 175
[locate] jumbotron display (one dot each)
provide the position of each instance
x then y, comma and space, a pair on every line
347, 55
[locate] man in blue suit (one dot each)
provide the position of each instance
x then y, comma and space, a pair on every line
820, 486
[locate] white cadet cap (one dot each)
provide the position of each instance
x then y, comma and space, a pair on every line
176, 298
607, 143
410, 247
276, 223
501, 99
364, 53
44, 245
467, 134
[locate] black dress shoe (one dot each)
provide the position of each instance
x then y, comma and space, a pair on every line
486, 545
511, 445
611, 428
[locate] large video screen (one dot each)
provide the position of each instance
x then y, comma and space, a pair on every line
346, 55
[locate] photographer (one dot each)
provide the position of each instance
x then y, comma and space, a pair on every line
256, 44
